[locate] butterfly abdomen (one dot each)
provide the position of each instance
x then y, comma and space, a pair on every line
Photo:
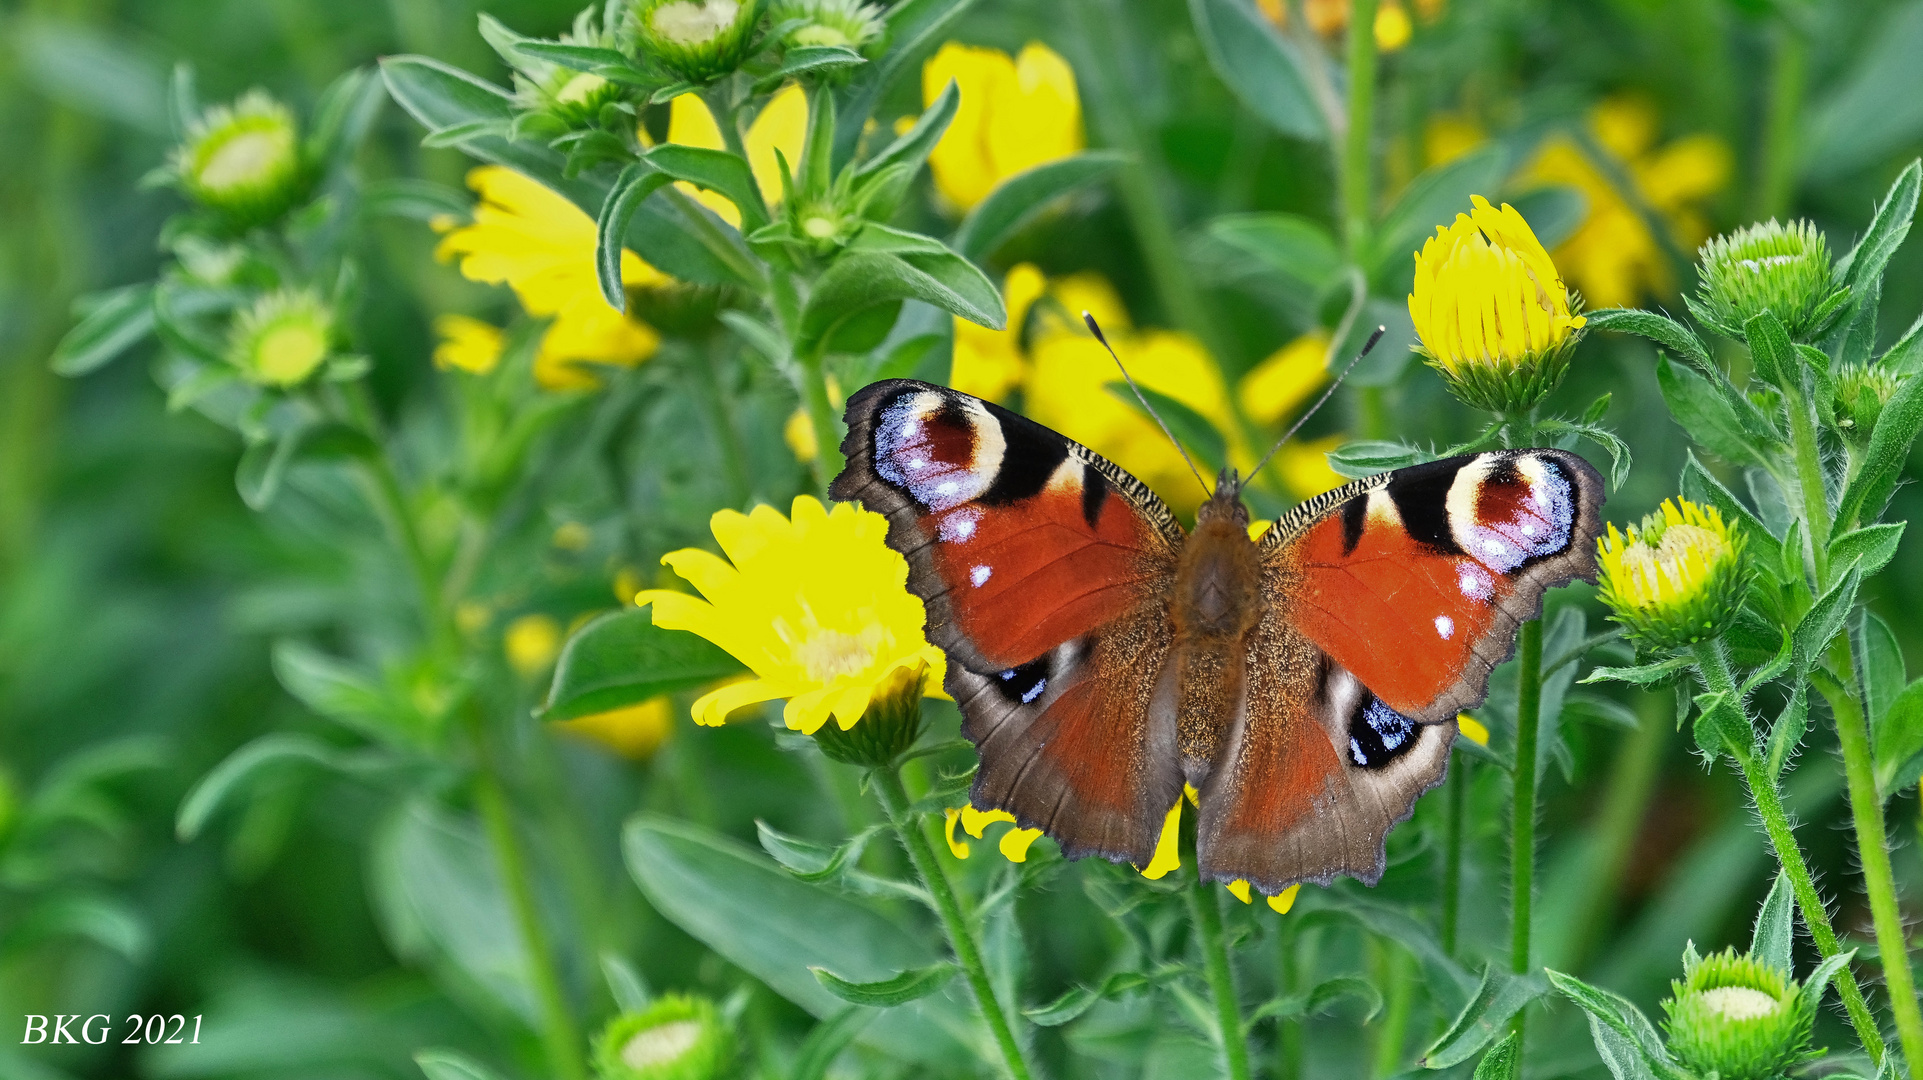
1214, 607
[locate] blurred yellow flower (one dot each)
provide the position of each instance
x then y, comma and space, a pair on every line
781, 125
1329, 18
1272, 389
542, 246
816, 605
989, 363
1304, 466
467, 343
1015, 113
1613, 257
799, 431
1491, 311
532, 642
1014, 843
1472, 729
635, 732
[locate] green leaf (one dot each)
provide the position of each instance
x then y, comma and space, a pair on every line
719, 172
1294, 247
914, 145
439, 1063
1191, 428
1503, 1061
1824, 620
1819, 979
756, 916
1077, 1000
1869, 549
1874, 109
810, 861
1022, 198
859, 280
1259, 66
1775, 927
1786, 734
107, 921
1318, 999
1700, 486
1879, 666
809, 58
623, 659
1661, 329
625, 984
1641, 674
1619, 456
1624, 1037
607, 63
250, 761
1891, 224
1898, 742
343, 115
827, 1040
911, 985
263, 465
636, 182
116, 321
332, 688
1501, 995
915, 28
1770, 350
1706, 415
441, 96
1889, 449
1721, 725
1434, 197
1356, 460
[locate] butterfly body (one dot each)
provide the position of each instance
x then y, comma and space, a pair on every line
1306, 684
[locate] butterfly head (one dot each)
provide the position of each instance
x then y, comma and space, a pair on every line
1226, 502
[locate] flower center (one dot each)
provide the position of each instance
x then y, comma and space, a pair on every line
819, 227
1739, 1002
286, 353
819, 34
579, 88
1676, 565
687, 22
829, 654
661, 1045
246, 158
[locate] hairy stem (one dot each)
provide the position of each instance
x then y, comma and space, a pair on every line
1872, 849
1358, 211
1205, 908
1522, 822
894, 798
1714, 668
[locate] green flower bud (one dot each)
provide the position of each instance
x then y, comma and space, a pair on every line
1784, 269
890, 726
699, 40
675, 1038
848, 23
283, 338
572, 98
1733, 1016
1861, 393
1676, 580
243, 160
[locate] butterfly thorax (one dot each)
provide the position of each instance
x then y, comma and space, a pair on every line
1214, 607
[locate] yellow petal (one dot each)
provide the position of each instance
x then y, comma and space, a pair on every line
1015, 843
1239, 890
1168, 850
1273, 388
781, 125
1281, 902
468, 344
974, 821
1472, 729
712, 708
956, 845
963, 171
806, 712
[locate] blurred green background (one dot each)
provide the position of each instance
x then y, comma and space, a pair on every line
139, 596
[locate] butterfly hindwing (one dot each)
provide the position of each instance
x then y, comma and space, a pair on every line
1042, 567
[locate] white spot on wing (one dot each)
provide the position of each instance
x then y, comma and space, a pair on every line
979, 575
1445, 626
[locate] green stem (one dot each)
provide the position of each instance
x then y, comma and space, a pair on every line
707, 391
1452, 854
1814, 495
1205, 908
1789, 76
1399, 990
894, 798
389, 503
1358, 211
822, 417
1714, 668
1872, 848
559, 1036
1522, 821
1288, 1030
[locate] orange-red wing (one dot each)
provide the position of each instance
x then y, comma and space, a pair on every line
1017, 539
1416, 581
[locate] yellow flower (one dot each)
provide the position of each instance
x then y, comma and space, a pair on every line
1472, 729
532, 642
1678, 579
542, 246
799, 431
816, 605
1015, 113
466, 343
781, 125
243, 159
1492, 312
1305, 468
634, 732
1168, 857
1612, 256
1393, 27
989, 363
283, 338
1014, 843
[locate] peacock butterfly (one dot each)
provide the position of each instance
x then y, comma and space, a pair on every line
1306, 684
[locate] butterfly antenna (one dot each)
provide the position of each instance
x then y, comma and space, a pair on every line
1139, 396
1319, 402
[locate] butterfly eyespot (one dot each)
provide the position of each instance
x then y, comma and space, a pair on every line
1379, 734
